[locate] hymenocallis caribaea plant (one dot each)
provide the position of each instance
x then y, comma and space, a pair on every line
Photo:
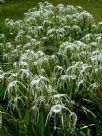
54, 83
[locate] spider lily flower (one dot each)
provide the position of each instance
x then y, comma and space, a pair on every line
99, 27
58, 71
39, 85
57, 110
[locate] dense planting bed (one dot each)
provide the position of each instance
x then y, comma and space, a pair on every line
51, 73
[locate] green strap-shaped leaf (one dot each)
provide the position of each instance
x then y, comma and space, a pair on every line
0, 119
41, 123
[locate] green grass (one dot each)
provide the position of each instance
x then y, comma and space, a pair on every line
15, 8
